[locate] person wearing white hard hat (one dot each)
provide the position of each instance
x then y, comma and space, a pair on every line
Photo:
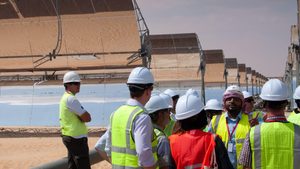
130, 142
175, 96
233, 125
276, 142
159, 112
191, 147
294, 117
72, 118
255, 117
212, 108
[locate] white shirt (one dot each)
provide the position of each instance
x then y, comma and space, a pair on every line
142, 130
74, 105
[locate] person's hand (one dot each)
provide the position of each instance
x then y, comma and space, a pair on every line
253, 122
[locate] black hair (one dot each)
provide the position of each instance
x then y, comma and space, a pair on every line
275, 105
298, 103
137, 90
198, 121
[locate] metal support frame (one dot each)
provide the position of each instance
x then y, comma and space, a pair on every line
202, 68
225, 77
146, 48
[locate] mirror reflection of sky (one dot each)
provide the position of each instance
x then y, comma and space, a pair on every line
39, 105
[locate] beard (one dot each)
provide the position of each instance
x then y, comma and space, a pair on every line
234, 110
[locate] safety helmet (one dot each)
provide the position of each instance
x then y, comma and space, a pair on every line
233, 91
188, 106
71, 76
193, 92
213, 104
246, 94
167, 98
297, 93
156, 103
140, 75
274, 90
171, 92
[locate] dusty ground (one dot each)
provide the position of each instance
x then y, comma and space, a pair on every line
25, 151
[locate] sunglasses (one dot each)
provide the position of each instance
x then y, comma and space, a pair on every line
249, 100
75, 83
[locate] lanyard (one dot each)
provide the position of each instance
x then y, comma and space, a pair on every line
230, 134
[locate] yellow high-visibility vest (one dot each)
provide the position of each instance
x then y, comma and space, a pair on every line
70, 123
275, 145
123, 150
219, 127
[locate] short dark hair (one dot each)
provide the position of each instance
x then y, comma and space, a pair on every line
137, 90
198, 121
276, 105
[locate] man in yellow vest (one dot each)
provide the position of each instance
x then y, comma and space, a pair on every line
232, 126
255, 117
159, 110
276, 142
72, 118
294, 117
131, 142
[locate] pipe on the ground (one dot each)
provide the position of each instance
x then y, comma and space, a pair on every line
63, 163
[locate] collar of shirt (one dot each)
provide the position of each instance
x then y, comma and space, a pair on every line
133, 102
239, 116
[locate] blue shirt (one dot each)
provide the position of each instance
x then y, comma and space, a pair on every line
231, 125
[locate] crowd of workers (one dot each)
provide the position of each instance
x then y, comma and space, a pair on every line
166, 130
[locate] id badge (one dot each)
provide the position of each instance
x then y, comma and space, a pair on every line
230, 147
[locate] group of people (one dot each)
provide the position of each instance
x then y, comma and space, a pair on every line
166, 130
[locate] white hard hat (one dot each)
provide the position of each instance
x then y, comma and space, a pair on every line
187, 106
274, 90
71, 76
156, 103
167, 98
193, 92
246, 94
171, 92
233, 88
297, 93
213, 104
140, 75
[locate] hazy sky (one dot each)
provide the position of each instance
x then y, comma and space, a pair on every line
256, 32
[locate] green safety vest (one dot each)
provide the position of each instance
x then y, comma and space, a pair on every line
219, 127
123, 151
275, 145
294, 118
70, 123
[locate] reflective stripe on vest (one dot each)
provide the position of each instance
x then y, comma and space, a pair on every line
219, 127
265, 154
193, 166
123, 147
70, 123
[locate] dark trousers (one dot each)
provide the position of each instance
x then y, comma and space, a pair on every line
78, 152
